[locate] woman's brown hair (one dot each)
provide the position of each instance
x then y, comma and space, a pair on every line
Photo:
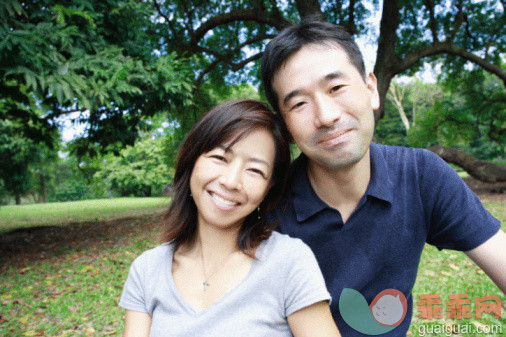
227, 123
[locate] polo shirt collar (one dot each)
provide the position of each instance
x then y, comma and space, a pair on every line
306, 202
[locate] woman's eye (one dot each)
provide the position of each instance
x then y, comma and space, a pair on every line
257, 171
218, 157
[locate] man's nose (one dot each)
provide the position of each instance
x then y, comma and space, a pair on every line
327, 112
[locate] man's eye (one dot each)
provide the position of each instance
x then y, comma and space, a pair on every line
336, 88
298, 105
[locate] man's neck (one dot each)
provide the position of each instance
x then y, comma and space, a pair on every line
341, 189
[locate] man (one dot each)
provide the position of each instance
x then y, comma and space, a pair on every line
366, 210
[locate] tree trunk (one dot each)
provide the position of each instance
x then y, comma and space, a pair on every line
18, 198
385, 58
479, 169
42, 189
307, 8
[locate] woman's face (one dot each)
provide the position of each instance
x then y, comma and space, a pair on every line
227, 185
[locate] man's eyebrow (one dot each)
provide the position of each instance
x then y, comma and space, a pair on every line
333, 75
329, 77
291, 94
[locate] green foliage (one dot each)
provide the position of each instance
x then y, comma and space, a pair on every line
471, 115
68, 180
139, 170
93, 56
390, 130
16, 154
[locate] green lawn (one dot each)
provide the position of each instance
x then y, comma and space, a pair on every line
61, 213
75, 293
449, 272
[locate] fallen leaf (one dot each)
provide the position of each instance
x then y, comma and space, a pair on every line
24, 319
454, 267
430, 273
480, 271
446, 273
481, 326
90, 330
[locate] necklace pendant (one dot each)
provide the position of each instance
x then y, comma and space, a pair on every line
206, 284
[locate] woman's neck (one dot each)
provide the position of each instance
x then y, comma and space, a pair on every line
212, 243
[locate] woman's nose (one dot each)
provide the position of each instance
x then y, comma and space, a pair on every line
231, 177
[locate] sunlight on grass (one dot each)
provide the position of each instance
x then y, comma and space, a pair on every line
60, 213
77, 291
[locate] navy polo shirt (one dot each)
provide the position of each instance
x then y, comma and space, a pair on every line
413, 197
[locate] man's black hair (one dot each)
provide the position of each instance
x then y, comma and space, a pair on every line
291, 39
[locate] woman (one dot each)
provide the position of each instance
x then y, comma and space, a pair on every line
222, 271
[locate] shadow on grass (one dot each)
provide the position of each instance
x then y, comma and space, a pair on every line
36, 244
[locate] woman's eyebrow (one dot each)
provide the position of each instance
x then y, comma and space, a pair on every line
251, 159
258, 160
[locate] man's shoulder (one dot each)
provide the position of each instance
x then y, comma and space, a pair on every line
395, 155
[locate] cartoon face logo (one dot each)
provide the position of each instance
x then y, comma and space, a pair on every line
388, 310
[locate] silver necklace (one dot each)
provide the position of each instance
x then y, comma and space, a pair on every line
207, 278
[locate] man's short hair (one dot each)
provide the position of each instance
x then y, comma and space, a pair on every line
293, 38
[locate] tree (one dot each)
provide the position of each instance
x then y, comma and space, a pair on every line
16, 155
461, 119
93, 57
231, 34
140, 170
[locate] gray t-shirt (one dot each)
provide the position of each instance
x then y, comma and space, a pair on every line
283, 279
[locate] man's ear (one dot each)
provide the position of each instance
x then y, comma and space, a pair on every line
372, 86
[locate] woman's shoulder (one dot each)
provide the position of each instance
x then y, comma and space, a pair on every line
282, 245
156, 255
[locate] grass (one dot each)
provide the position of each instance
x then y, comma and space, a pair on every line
449, 272
75, 293
61, 213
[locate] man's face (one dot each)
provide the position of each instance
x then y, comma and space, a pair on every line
326, 105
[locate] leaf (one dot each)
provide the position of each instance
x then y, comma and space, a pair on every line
24, 319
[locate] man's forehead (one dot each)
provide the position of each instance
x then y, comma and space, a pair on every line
308, 49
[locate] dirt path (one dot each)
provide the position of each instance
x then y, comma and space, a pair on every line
23, 246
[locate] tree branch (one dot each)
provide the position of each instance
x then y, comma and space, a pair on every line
237, 15
459, 19
447, 48
432, 20
241, 64
159, 10
234, 66
352, 28
226, 57
340, 15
